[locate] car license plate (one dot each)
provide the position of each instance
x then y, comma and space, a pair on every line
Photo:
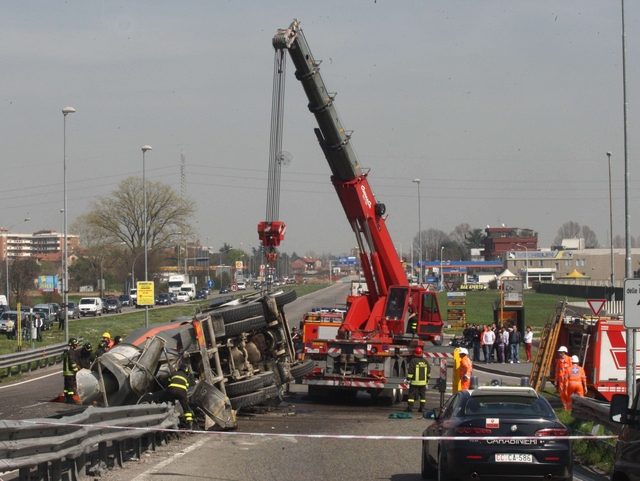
514, 458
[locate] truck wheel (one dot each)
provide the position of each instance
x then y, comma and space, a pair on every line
248, 400
251, 324
241, 312
244, 386
274, 395
286, 297
302, 369
268, 378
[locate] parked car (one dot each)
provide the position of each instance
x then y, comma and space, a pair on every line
111, 304
125, 300
45, 314
56, 311
74, 313
90, 305
242, 286
518, 416
201, 294
163, 299
224, 290
6, 315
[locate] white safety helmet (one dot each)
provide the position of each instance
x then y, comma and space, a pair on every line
574, 359
463, 350
562, 349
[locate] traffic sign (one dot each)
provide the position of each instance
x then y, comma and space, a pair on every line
596, 305
450, 285
632, 303
233, 287
210, 283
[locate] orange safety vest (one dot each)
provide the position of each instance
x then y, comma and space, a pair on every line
576, 375
563, 364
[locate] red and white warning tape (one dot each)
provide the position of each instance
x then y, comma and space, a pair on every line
323, 436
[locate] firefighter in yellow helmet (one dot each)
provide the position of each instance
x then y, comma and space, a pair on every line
107, 337
418, 375
177, 391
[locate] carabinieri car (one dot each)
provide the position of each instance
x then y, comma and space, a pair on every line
517, 424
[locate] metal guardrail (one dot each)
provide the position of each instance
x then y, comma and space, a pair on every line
67, 446
31, 359
597, 412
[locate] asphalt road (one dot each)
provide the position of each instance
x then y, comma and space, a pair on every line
256, 451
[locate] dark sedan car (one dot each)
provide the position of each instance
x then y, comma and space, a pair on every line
201, 294
125, 300
111, 304
163, 299
224, 290
517, 423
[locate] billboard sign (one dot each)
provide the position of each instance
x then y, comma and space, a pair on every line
48, 283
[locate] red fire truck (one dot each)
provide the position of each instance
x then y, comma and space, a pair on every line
600, 344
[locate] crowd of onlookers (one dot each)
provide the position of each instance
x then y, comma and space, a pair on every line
498, 344
28, 322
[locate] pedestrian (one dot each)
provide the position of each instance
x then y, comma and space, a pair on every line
465, 369
476, 343
418, 374
177, 391
38, 323
103, 346
412, 320
26, 328
515, 338
10, 326
576, 381
528, 342
494, 351
489, 338
107, 337
500, 346
561, 368
69, 371
61, 316
86, 356
505, 338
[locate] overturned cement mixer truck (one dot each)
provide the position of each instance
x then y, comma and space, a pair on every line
240, 353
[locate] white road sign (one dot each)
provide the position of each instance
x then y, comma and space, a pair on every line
632, 303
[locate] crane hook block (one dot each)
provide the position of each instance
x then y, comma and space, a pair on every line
271, 233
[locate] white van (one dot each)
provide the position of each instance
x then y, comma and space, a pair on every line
90, 305
189, 290
133, 294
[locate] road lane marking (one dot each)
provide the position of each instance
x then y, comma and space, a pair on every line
145, 476
19, 383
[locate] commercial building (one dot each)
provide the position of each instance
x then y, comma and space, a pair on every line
41, 243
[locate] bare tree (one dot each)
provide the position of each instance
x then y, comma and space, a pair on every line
568, 230
432, 241
619, 242
22, 276
590, 238
119, 218
459, 234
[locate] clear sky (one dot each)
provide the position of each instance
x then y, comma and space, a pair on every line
504, 109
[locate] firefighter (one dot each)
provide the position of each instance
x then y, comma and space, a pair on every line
107, 337
418, 375
177, 391
465, 369
117, 340
412, 320
86, 356
576, 381
69, 370
103, 346
562, 366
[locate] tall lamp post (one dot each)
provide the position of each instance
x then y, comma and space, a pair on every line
144, 200
65, 286
442, 268
208, 262
6, 255
613, 286
417, 181
526, 265
133, 270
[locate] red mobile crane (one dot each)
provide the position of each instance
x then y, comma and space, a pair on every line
372, 345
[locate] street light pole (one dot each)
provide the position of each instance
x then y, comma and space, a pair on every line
417, 181
6, 255
613, 286
526, 265
208, 262
144, 200
65, 287
441, 268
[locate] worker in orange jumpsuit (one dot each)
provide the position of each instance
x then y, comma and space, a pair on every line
465, 368
561, 370
576, 380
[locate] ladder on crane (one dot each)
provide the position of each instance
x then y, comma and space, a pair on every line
546, 348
